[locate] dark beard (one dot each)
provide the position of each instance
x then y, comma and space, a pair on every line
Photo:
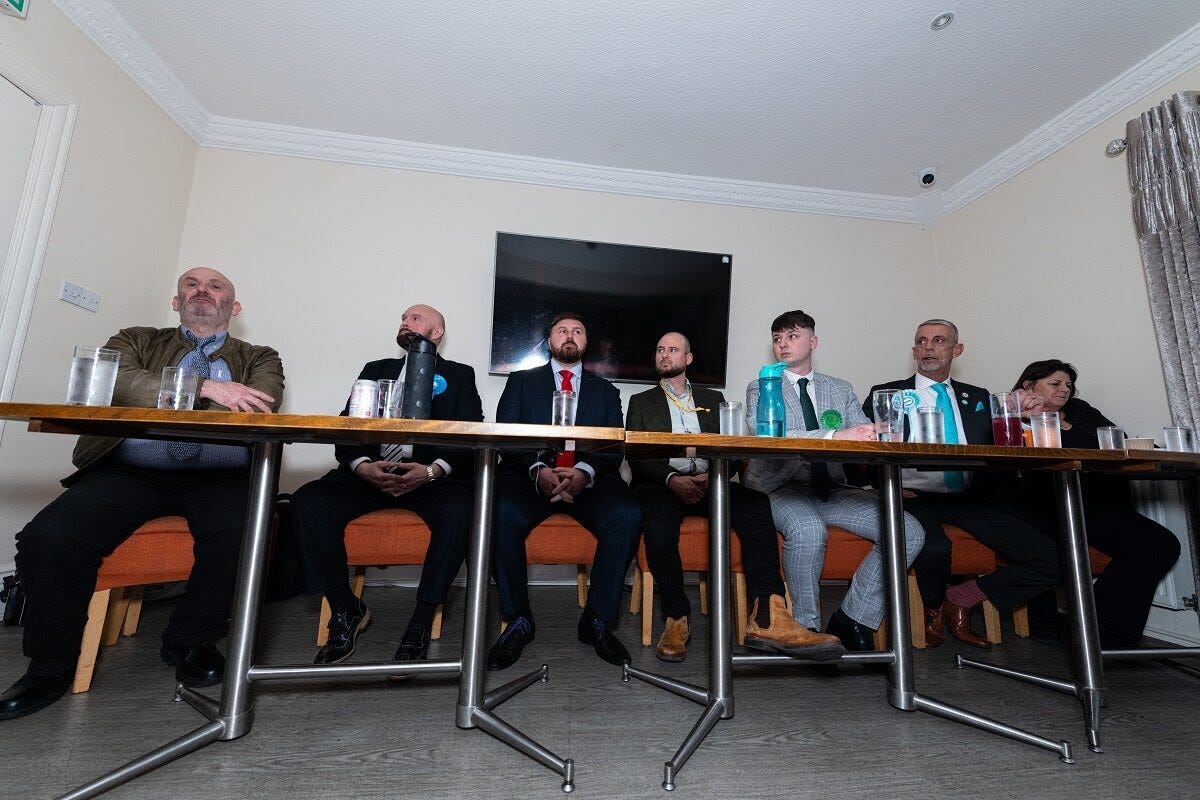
669, 372
561, 356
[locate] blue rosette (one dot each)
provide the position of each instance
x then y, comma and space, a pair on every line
439, 384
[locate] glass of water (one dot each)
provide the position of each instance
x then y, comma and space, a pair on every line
177, 391
93, 376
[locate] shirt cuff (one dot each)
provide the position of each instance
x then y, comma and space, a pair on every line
670, 475
354, 464
533, 471
587, 469
445, 467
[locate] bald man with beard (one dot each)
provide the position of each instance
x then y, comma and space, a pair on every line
122, 483
434, 482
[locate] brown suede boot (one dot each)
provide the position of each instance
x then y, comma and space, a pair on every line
673, 644
785, 635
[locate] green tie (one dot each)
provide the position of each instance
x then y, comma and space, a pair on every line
806, 406
954, 480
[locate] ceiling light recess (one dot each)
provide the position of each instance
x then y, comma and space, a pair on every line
942, 21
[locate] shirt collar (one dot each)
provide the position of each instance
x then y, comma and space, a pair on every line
576, 368
794, 378
923, 382
218, 341
687, 388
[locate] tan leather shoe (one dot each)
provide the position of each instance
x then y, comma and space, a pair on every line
958, 622
933, 627
785, 635
672, 646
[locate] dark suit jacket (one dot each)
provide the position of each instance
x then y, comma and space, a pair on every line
649, 411
526, 399
974, 406
460, 401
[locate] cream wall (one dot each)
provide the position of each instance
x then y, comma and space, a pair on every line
1047, 266
341, 250
116, 230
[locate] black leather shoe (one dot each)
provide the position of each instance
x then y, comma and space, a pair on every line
855, 636
34, 692
414, 646
196, 666
595, 631
344, 628
507, 649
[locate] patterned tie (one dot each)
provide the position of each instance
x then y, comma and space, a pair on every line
954, 480
566, 459
392, 452
195, 361
822, 482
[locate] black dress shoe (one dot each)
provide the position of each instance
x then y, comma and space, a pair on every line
595, 631
414, 646
196, 666
507, 649
344, 628
855, 636
34, 692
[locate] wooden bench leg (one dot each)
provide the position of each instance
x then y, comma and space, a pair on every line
916, 613
1020, 616
635, 597
991, 622
435, 632
880, 636
114, 617
90, 647
647, 608
704, 593
133, 613
581, 583
741, 601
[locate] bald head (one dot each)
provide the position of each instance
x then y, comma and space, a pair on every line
424, 320
205, 301
673, 355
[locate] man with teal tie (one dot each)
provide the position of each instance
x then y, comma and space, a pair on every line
963, 499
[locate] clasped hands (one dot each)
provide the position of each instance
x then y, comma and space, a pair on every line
393, 478
689, 488
561, 483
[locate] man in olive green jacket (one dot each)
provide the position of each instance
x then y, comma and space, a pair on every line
122, 483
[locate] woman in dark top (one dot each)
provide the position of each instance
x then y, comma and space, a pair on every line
1142, 551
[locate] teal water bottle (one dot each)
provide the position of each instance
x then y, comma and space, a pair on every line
770, 413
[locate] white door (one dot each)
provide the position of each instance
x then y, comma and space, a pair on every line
18, 127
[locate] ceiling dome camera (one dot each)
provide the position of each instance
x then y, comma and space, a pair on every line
927, 177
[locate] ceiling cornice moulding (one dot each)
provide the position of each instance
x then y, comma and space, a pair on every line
237, 134
1156, 69
112, 34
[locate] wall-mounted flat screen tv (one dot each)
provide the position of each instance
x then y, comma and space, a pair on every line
628, 296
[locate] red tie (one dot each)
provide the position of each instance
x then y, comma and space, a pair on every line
566, 459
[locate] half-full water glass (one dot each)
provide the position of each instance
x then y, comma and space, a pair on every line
733, 418
1111, 437
889, 414
177, 392
93, 376
1006, 419
1046, 429
391, 395
930, 428
562, 410
1179, 439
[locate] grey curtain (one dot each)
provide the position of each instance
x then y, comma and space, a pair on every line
1164, 173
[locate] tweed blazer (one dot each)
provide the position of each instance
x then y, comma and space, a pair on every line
832, 394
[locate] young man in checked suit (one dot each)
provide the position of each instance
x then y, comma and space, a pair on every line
807, 497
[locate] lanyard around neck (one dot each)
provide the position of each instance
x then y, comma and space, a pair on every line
687, 396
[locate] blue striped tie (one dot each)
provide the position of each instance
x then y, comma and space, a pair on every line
195, 361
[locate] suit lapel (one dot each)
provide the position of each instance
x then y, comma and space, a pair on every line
661, 419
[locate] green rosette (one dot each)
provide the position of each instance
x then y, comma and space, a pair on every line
830, 419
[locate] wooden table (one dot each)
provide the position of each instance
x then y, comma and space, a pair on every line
232, 716
888, 458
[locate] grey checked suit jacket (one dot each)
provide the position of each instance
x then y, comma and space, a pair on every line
767, 475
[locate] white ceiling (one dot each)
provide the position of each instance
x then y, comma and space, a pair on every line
808, 104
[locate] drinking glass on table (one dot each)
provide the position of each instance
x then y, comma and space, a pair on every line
1046, 427
93, 376
929, 429
1006, 419
562, 410
177, 391
733, 418
889, 414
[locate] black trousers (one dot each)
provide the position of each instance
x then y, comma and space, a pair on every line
60, 550
750, 516
321, 509
1142, 552
607, 509
1033, 559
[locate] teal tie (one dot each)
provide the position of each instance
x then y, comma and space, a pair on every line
954, 480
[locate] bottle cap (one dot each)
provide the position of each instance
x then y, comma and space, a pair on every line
773, 370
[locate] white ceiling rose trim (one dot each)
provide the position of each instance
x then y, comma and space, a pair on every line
108, 29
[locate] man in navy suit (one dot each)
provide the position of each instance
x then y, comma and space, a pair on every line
961, 499
434, 482
535, 484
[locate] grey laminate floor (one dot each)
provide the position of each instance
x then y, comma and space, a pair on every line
795, 734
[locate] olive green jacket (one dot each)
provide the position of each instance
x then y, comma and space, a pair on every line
144, 353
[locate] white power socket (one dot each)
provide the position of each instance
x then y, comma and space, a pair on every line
77, 295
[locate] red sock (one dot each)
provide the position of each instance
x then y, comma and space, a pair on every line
966, 595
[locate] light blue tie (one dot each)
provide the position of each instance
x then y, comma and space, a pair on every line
954, 480
195, 361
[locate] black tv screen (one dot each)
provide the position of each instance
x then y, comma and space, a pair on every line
628, 296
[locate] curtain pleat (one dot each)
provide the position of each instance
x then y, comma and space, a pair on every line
1164, 174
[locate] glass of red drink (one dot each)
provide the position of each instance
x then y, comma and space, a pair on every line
1006, 419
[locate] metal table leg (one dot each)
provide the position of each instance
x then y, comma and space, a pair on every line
717, 699
234, 715
474, 706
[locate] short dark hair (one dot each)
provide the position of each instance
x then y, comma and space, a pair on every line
793, 319
1044, 369
560, 316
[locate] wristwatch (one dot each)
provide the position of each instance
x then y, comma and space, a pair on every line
430, 477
